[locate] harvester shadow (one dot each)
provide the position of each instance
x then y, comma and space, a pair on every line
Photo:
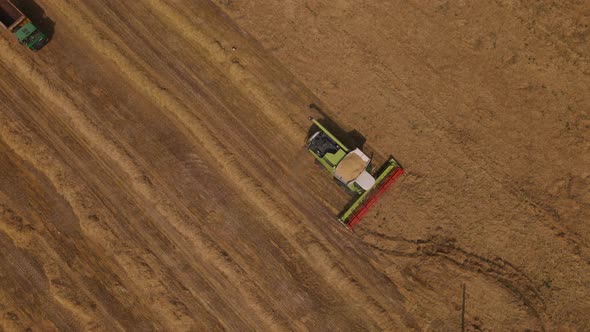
37, 15
352, 139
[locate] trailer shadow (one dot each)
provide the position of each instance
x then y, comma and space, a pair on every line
352, 139
37, 15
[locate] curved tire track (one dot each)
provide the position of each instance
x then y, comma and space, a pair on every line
497, 269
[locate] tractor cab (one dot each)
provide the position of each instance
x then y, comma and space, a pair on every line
351, 168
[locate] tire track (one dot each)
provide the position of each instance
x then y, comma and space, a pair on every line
230, 166
441, 122
497, 269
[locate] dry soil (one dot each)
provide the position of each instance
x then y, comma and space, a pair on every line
153, 174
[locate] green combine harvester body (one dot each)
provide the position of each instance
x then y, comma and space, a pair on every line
353, 169
13, 20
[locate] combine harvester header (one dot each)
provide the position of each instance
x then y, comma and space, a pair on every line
352, 169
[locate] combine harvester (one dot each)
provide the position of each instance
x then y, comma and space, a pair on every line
352, 169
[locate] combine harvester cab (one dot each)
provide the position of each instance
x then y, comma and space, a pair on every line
352, 169
13, 20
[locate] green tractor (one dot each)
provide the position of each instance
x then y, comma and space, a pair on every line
353, 169
13, 20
